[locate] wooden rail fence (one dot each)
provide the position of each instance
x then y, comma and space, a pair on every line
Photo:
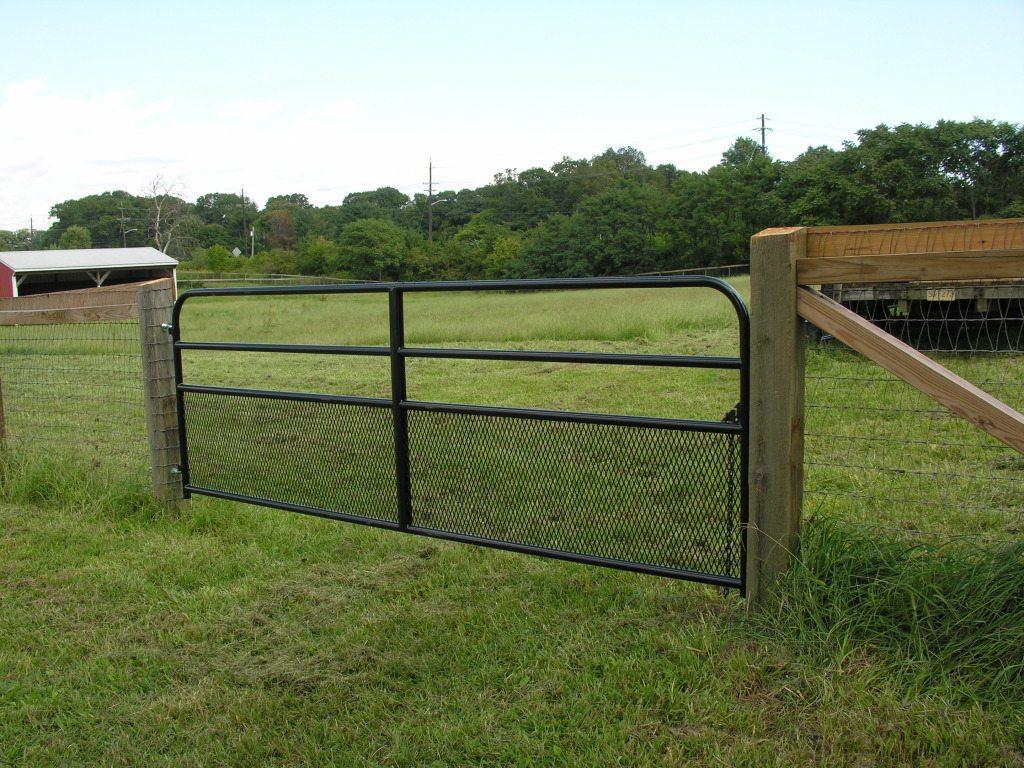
786, 264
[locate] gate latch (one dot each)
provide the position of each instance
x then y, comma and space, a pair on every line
733, 416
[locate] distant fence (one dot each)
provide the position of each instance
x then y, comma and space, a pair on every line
189, 280
90, 371
727, 270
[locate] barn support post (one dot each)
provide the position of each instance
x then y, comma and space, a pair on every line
777, 407
156, 300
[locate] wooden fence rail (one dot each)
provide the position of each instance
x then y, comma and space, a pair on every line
785, 261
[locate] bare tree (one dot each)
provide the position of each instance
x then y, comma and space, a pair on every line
168, 211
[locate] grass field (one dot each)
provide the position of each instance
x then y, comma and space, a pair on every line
224, 634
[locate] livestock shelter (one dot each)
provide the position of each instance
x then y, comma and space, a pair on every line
25, 273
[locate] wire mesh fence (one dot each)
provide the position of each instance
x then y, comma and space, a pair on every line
75, 390
880, 453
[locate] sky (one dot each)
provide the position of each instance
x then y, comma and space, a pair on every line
330, 98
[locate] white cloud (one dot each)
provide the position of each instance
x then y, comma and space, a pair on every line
341, 110
59, 147
249, 109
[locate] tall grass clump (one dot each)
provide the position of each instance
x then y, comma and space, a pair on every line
946, 616
55, 479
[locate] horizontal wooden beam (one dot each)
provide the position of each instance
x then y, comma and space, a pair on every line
126, 293
945, 387
938, 266
925, 237
106, 313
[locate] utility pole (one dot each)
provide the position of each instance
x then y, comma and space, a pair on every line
243, 216
430, 201
124, 232
764, 144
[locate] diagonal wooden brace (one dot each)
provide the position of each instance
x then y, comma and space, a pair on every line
942, 385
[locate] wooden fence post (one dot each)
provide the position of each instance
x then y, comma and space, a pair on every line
777, 407
156, 299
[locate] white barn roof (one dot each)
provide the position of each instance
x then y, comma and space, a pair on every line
85, 258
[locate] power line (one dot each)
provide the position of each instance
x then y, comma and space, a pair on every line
811, 125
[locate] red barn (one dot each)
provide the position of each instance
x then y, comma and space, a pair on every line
23, 273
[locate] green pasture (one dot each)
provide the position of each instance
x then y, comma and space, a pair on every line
226, 634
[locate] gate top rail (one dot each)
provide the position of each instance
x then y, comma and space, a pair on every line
583, 283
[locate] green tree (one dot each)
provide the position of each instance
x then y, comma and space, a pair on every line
451, 211
18, 240
984, 162
712, 215
230, 211
909, 173
382, 203
113, 219
615, 232
75, 237
521, 201
316, 255
218, 259
284, 201
374, 249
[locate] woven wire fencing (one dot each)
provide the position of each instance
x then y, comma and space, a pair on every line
879, 453
74, 392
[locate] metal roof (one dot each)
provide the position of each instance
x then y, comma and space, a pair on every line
85, 258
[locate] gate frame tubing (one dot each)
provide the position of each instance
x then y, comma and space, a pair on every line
398, 352
783, 262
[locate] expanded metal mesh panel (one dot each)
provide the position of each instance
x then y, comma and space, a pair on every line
330, 456
658, 497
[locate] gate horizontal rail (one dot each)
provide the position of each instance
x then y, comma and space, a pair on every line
594, 488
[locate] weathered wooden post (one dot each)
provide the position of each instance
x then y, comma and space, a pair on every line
156, 299
777, 406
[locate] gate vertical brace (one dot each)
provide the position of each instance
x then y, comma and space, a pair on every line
399, 414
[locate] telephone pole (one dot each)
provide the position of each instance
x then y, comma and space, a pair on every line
764, 143
430, 201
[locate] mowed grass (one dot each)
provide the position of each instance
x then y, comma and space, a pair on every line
224, 634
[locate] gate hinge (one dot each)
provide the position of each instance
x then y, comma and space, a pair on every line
168, 328
175, 470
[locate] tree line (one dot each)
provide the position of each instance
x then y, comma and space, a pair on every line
611, 214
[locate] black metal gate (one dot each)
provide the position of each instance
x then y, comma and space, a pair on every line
665, 496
